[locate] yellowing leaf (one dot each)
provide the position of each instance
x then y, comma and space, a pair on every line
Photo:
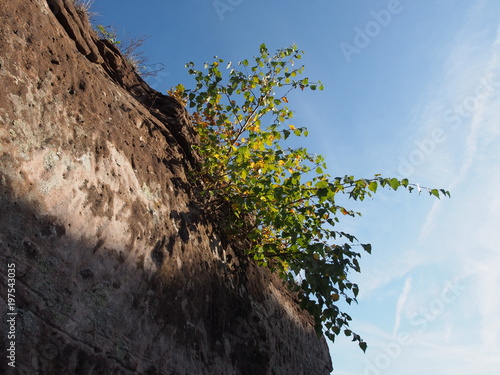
254, 128
285, 99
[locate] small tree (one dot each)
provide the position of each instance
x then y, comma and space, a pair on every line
278, 197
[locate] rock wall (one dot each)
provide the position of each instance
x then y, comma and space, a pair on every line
116, 269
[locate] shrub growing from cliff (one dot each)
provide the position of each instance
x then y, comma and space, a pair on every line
279, 197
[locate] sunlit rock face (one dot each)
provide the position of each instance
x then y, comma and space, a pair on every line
116, 269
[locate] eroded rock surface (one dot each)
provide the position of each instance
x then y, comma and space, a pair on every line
117, 270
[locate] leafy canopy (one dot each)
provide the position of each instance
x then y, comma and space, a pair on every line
279, 197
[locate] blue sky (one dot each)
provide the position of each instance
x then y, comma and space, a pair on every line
412, 89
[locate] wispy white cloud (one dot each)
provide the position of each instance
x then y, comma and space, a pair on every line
460, 235
476, 185
431, 355
400, 304
455, 162
458, 238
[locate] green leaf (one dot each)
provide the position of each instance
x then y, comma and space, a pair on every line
394, 183
445, 193
363, 346
367, 247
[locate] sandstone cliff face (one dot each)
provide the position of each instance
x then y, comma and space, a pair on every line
116, 269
